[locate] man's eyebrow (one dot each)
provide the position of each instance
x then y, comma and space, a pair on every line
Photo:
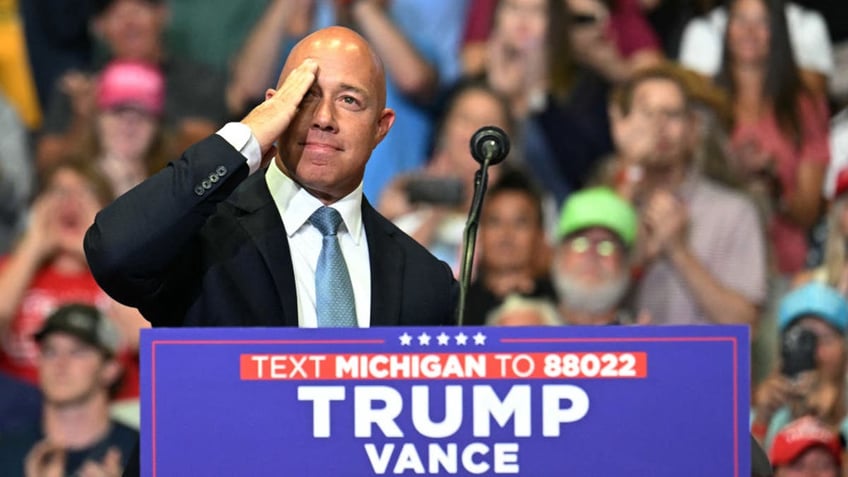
352, 88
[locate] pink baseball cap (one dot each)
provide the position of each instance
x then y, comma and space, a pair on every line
132, 84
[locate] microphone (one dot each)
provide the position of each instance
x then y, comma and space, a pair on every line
490, 143
489, 146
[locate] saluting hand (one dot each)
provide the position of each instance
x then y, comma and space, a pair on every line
272, 117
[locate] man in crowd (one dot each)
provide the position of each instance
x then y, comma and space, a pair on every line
209, 242
77, 372
702, 247
517, 310
591, 271
806, 448
195, 100
512, 248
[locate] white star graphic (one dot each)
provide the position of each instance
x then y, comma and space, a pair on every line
461, 338
443, 338
405, 339
424, 339
479, 338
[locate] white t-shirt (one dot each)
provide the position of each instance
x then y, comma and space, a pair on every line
703, 41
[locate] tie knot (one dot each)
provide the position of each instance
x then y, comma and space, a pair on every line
326, 220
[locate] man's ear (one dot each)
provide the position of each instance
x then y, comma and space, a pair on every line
269, 93
615, 113
618, 127
111, 371
384, 123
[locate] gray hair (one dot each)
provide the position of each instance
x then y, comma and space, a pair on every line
513, 302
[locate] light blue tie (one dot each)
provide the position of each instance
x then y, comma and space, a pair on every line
334, 301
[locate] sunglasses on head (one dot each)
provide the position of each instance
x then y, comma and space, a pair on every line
584, 19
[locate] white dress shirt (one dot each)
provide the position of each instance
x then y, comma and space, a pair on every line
295, 206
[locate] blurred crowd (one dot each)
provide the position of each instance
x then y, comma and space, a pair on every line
672, 162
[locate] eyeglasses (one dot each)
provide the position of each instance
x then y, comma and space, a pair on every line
603, 248
665, 114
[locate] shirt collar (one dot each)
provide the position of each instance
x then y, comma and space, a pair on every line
296, 205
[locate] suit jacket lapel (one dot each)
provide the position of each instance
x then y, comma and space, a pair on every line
262, 222
386, 259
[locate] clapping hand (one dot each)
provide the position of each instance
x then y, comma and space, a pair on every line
664, 221
45, 459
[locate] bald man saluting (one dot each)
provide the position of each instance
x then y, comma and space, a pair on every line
265, 224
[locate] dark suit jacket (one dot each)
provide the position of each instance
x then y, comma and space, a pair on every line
202, 244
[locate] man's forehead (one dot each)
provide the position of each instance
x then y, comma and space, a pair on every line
58, 338
659, 91
338, 59
596, 232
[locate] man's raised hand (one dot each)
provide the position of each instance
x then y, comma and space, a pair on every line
272, 117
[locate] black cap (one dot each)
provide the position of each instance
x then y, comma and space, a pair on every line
84, 322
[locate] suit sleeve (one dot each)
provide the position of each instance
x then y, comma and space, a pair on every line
144, 244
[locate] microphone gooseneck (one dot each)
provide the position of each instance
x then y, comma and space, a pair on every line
489, 146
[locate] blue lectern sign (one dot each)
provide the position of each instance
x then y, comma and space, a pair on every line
566, 401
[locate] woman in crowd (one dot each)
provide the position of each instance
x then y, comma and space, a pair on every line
780, 135
612, 37
47, 268
559, 105
432, 204
126, 136
810, 380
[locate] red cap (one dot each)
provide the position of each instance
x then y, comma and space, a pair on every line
841, 182
133, 84
801, 435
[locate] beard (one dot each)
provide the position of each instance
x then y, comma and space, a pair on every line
593, 299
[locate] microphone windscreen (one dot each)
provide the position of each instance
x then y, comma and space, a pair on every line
489, 142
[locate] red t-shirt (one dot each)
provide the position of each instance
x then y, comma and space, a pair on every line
627, 26
478, 22
47, 292
630, 30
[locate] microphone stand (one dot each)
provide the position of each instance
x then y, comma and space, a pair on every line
470, 238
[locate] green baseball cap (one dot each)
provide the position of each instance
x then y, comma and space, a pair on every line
598, 207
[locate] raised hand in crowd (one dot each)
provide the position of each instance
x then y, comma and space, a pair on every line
516, 66
80, 88
41, 240
413, 74
778, 391
806, 394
